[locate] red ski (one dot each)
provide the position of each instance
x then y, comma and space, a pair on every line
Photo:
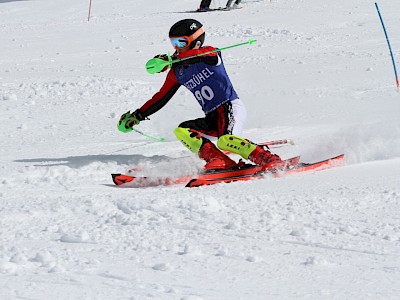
290, 169
236, 172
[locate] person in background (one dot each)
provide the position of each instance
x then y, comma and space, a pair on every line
235, 5
204, 5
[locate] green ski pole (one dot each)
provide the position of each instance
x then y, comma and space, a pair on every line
155, 65
161, 139
128, 118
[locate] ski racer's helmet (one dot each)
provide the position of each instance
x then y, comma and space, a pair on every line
186, 33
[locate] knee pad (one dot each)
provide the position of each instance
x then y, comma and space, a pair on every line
190, 139
236, 144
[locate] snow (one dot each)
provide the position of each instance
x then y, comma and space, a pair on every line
320, 74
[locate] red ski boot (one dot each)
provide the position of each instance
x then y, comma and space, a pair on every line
266, 159
214, 157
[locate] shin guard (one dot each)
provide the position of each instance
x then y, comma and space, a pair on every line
236, 144
190, 139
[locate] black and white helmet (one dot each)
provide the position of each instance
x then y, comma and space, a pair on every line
187, 34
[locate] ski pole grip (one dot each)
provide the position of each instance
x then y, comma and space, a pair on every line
156, 65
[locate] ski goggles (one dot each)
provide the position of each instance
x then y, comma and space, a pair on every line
183, 42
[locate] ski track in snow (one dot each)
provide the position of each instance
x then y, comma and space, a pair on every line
319, 74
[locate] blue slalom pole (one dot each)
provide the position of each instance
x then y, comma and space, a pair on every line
390, 48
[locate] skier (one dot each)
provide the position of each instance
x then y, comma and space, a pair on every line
235, 5
204, 5
225, 114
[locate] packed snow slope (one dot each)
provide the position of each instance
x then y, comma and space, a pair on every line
320, 73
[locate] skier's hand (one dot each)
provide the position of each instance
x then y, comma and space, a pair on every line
128, 120
162, 56
165, 58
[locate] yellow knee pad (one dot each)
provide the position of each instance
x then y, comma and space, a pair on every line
236, 144
191, 140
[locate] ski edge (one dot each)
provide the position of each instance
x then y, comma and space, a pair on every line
196, 182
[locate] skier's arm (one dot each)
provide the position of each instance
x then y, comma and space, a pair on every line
160, 98
211, 59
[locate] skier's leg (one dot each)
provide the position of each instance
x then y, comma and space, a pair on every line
229, 3
205, 4
234, 116
204, 148
237, 118
236, 144
228, 118
189, 138
237, 2
248, 150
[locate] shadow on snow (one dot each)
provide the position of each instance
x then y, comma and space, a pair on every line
5, 1
80, 161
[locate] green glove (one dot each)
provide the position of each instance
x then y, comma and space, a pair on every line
127, 121
165, 58
160, 63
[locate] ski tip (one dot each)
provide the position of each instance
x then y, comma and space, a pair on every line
192, 183
196, 182
119, 179
115, 179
